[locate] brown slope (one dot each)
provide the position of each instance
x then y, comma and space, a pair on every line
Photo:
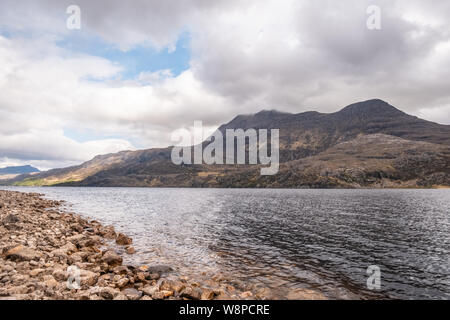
302, 136
306, 134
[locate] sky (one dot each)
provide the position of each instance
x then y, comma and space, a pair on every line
137, 71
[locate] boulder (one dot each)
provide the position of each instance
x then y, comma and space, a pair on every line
123, 240
112, 258
60, 275
106, 293
10, 219
172, 285
88, 278
36, 272
207, 294
150, 290
132, 293
22, 253
121, 283
121, 270
246, 294
160, 269
50, 282
191, 293
120, 296
305, 294
163, 294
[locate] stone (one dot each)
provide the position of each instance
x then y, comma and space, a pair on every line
106, 293
88, 278
69, 247
160, 295
75, 238
22, 253
207, 294
79, 256
17, 290
132, 293
50, 282
141, 276
246, 294
121, 296
36, 272
264, 294
122, 282
305, 294
10, 219
112, 258
169, 285
153, 276
87, 242
60, 275
150, 290
123, 240
160, 269
121, 270
60, 254
108, 232
191, 293
130, 250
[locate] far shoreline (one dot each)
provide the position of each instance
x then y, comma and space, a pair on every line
231, 188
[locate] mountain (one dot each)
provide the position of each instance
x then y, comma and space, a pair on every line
11, 172
366, 144
18, 170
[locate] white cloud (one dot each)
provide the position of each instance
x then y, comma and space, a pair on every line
45, 94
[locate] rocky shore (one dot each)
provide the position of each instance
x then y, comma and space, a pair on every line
46, 253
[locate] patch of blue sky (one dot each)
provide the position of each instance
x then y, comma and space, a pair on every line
142, 58
85, 135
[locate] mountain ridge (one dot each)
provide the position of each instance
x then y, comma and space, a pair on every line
304, 138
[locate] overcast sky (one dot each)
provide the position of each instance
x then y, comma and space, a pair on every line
137, 70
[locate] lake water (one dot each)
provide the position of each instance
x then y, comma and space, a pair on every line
285, 239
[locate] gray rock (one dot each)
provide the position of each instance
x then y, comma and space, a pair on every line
112, 258
132, 293
159, 269
22, 253
10, 218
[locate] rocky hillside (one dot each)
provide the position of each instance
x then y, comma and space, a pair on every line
367, 144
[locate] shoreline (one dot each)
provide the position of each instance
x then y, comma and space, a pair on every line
39, 242
43, 248
433, 187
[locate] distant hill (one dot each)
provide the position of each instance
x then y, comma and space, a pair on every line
369, 144
18, 170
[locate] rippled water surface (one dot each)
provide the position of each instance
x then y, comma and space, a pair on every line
285, 239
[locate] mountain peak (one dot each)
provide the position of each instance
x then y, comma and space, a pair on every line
271, 112
371, 107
